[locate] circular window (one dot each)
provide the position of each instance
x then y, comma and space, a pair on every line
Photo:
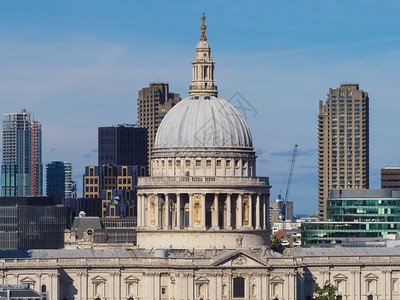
89, 232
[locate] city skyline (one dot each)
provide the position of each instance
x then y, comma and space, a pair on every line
275, 58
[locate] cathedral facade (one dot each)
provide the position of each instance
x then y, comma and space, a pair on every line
203, 229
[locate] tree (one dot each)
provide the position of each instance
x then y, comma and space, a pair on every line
276, 244
326, 292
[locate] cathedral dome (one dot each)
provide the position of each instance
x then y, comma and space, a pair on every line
203, 121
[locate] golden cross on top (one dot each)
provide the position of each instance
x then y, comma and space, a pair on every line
203, 29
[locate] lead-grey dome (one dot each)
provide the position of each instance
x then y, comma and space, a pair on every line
203, 121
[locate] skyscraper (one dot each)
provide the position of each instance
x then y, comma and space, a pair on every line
36, 159
153, 104
123, 145
21, 170
343, 142
59, 181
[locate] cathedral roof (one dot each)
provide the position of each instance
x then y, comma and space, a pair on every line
203, 121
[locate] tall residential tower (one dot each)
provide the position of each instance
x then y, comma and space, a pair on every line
343, 142
153, 104
22, 169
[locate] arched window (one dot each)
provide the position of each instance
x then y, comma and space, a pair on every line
238, 287
370, 297
130, 298
44, 288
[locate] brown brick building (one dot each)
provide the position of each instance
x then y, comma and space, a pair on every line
343, 142
390, 178
153, 104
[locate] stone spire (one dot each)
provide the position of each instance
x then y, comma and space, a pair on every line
203, 67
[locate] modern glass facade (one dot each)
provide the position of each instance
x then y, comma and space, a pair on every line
355, 214
59, 181
363, 210
24, 226
336, 232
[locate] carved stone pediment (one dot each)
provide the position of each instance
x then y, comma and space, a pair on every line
239, 259
371, 276
27, 280
98, 279
276, 279
340, 276
202, 280
131, 279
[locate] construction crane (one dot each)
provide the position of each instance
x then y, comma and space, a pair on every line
289, 183
290, 175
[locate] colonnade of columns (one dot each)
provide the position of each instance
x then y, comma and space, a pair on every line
214, 211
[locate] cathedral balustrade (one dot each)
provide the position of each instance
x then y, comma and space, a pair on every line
202, 180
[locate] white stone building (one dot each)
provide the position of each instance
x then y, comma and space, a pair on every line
203, 230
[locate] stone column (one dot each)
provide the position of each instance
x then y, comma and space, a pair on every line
148, 211
264, 212
139, 210
251, 211
190, 210
203, 211
166, 213
143, 212
258, 212
239, 210
178, 211
228, 212
216, 213
157, 211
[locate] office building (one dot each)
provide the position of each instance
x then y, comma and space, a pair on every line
33, 222
90, 206
153, 104
355, 214
343, 142
115, 186
59, 181
390, 178
281, 211
22, 169
123, 145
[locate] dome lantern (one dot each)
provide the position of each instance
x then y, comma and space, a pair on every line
203, 67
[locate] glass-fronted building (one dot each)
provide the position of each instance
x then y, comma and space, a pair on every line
355, 214
32, 223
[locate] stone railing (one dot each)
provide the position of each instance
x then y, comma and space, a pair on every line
204, 180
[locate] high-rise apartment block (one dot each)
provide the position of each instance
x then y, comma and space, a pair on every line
390, 178
22, 169
123, 145
59, 181
153, 104
343, 142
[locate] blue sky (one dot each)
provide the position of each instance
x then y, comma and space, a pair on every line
78, 65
